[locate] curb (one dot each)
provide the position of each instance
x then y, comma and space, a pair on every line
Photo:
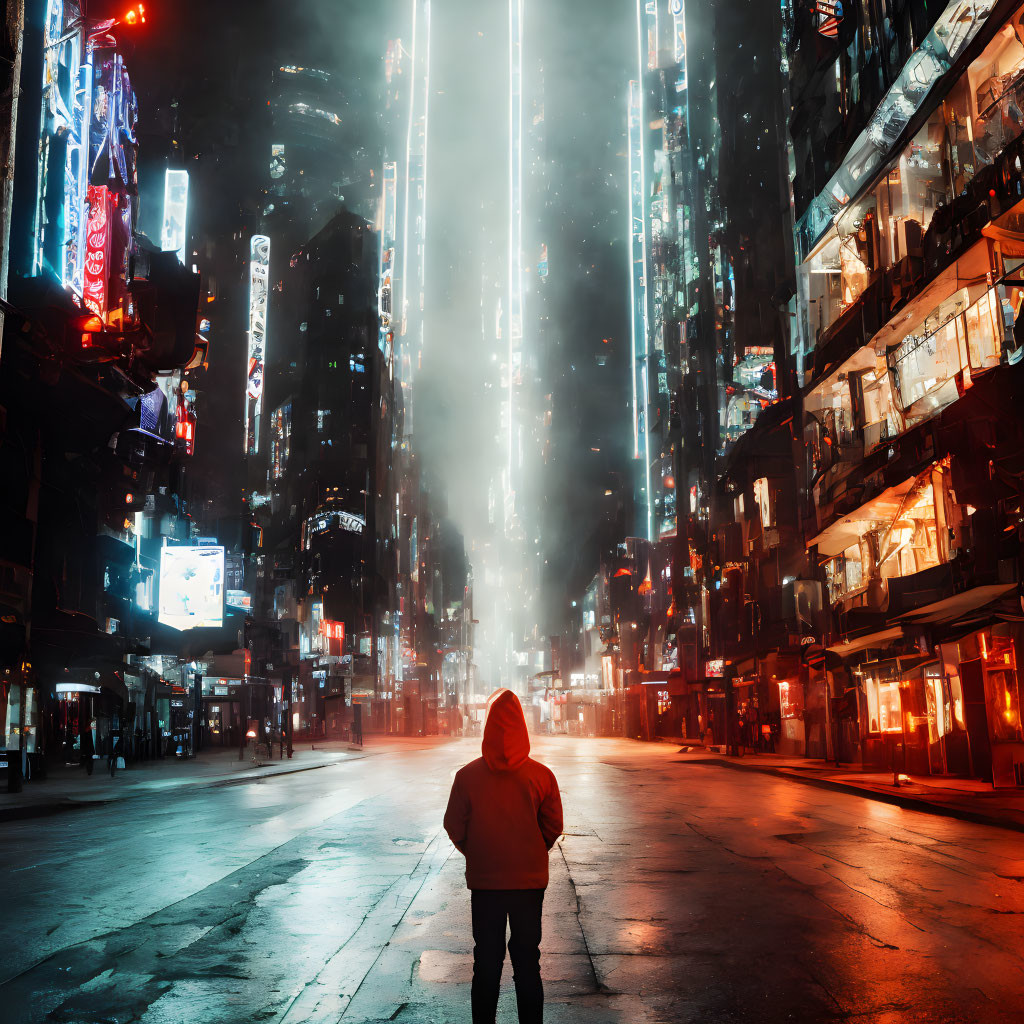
909, 803
45, 810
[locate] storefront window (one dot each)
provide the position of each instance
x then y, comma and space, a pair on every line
883, 696
1011, 299
983, 323
911, 543
984, 109
881, 417
845, 573
741, 413
791, 699
31, 725
940, 712
11, 709
823, 283
932, 365
1003, 693
925, 366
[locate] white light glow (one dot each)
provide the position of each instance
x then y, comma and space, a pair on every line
191, 586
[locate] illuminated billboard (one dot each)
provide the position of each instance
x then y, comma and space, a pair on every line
191, 586
259, 282
638, 294
173, 237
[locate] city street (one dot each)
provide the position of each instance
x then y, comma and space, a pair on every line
679, 893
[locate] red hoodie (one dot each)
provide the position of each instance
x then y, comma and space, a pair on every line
504, 812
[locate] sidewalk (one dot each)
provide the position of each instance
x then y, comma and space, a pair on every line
70, 788
965, 799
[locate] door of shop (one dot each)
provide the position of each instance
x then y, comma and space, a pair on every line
947, 741
972, 679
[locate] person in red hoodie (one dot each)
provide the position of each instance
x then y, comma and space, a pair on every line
504, 815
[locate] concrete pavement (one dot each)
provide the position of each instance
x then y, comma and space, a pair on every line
965, 799
679, 893
70, 788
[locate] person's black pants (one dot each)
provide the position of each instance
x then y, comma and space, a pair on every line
520, 908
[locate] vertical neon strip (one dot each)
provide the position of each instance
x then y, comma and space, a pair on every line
400, 311
644, 353
515, 233
426, 137
633, 129
76, 174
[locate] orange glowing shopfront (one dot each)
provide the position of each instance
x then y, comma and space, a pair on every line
955, 712
985, 665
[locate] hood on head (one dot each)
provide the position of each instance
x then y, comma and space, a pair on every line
506, 742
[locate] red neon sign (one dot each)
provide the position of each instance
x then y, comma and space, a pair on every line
97, 248
332, 630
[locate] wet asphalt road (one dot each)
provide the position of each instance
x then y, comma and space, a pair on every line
679, 893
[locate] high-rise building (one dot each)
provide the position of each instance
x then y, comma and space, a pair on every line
907, 187
100, 342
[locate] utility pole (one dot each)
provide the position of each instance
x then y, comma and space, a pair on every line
10, 70
197, 713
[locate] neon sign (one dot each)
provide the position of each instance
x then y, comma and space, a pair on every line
332, 630
97, 249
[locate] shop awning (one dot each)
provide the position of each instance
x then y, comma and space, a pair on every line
880, 639
87, 681
846, 532
957, 606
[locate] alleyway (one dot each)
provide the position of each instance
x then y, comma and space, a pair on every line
681, 892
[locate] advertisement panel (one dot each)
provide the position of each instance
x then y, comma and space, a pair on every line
259, 282
385, 290
112, 131
191, 587
678, 12
278, 162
